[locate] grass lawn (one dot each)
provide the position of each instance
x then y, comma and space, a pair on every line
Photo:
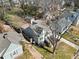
15, 20
63, 51
71, 38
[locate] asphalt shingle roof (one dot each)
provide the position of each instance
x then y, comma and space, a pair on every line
11, 37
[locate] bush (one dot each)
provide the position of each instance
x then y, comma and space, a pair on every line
30, 10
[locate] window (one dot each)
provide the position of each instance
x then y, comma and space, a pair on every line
14, 53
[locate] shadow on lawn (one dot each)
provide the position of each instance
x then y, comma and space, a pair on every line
47, 50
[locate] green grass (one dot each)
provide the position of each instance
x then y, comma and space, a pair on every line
15, 20
71, 39
63, 51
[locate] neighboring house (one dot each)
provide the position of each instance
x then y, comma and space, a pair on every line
66, 21
10, 47
76, 23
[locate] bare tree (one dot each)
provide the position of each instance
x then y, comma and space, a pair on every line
53, 25
56, 36
2, 10
11, 3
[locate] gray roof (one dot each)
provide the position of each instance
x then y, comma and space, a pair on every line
29, 32
11, 37
14, 37
4, 44
66, 20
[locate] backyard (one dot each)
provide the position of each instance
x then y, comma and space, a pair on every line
15, 20
63, 51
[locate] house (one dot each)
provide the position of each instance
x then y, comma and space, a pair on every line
10, 47
37, 32
76, 23
65, 21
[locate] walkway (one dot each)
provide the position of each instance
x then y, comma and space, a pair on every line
69, 43
33, 51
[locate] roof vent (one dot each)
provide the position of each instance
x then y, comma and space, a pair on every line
4, 36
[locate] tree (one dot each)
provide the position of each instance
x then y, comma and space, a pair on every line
11, 4
1, 28
76, 3
2, 10
56, 36
53, 25
30, 9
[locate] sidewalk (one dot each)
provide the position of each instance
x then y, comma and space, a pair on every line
69, 43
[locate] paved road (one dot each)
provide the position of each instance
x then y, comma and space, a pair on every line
70, 43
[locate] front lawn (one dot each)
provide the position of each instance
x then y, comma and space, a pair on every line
63, 51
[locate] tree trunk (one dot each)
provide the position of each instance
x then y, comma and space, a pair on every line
3, 10
11, 4
54, 48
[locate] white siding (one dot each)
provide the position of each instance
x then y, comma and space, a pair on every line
77, 21
13, 51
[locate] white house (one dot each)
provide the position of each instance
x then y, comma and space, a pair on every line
77, 24
66, 21
9, 45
